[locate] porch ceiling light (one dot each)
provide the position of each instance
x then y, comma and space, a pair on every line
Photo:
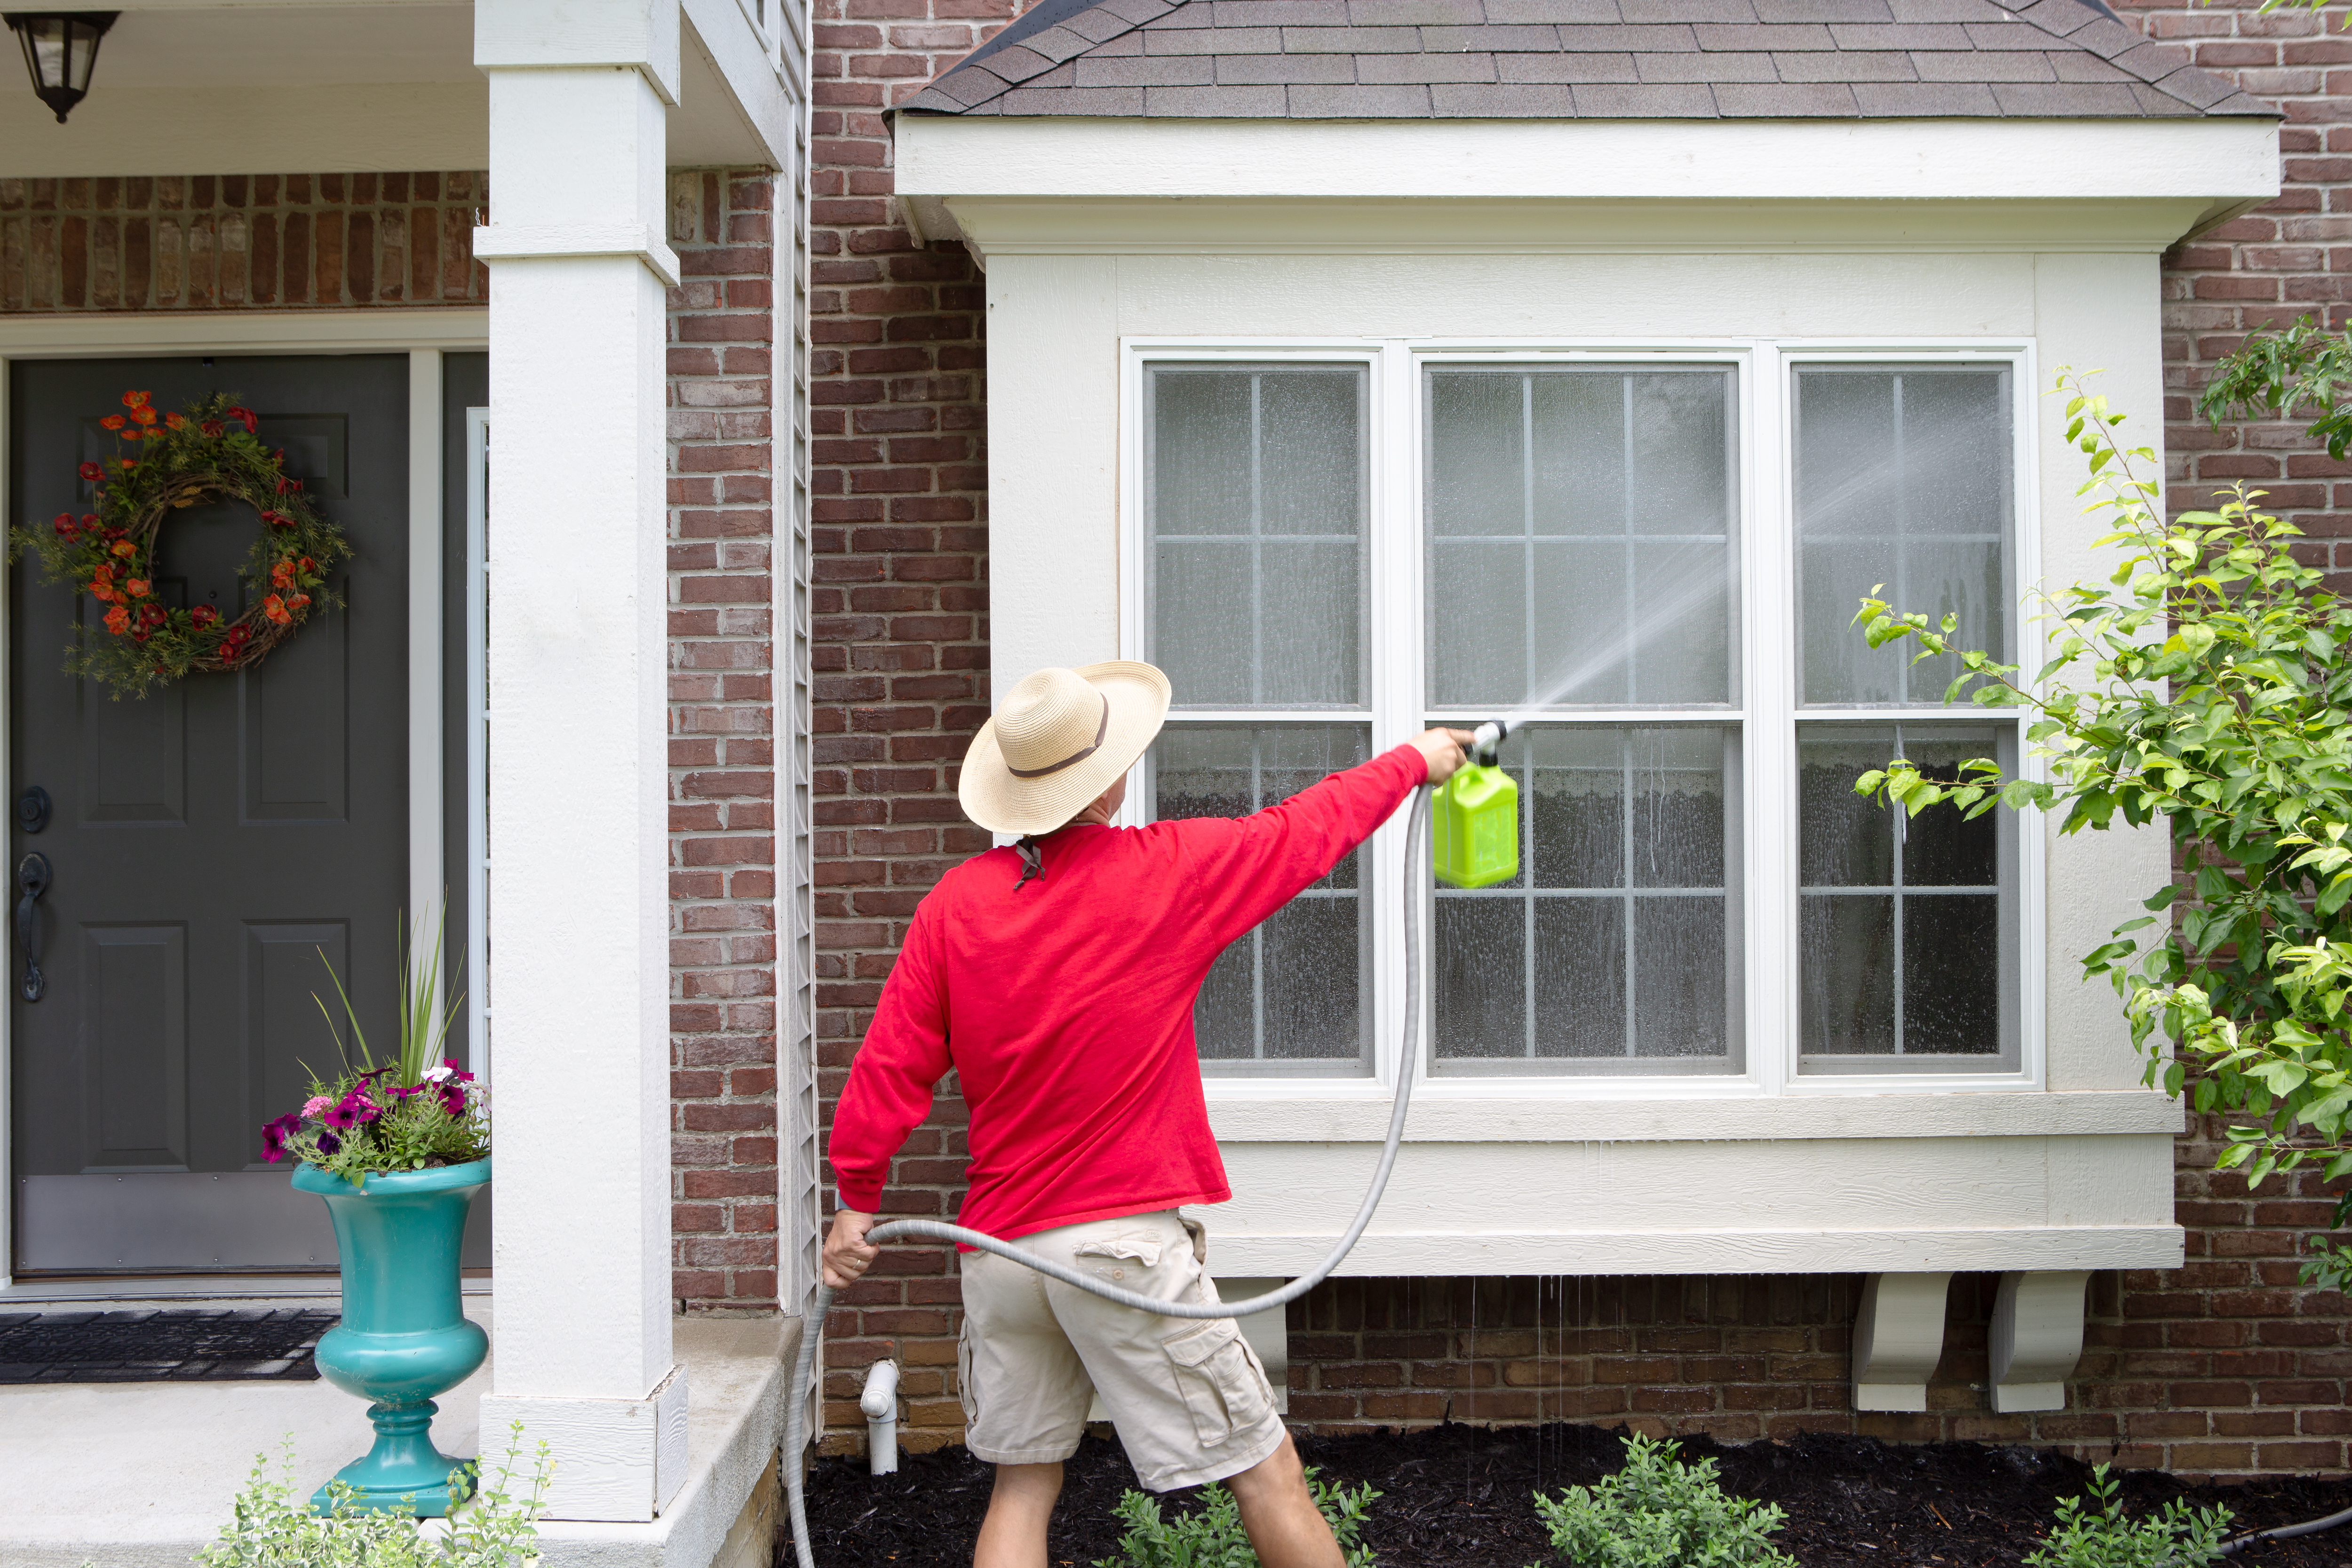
60, 47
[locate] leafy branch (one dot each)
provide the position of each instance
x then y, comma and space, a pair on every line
2204, 682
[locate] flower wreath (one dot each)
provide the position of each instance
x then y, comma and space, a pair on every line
211, 452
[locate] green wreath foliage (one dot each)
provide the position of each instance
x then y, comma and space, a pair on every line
212, 451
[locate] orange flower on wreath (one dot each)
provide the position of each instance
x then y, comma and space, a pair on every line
137, 587
274, 609
282, 574
134, 400
125, 547
118, 620
112, 422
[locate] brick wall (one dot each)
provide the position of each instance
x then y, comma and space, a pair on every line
2288, 259
204, 242
2225, 1365
899, 602
722, 340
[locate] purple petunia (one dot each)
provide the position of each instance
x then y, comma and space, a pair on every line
355, 1109
274, 1136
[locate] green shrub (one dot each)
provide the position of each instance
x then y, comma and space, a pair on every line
1658, 1512
1213, 1537
274, 1527
2094, 1534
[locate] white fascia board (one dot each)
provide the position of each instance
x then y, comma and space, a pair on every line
2230, 158
1548, 1118
1194, 225
234, 130
1454, 1252
753, 90
630, 34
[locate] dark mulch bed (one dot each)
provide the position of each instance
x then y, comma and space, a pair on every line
1459, 1497
203, 1344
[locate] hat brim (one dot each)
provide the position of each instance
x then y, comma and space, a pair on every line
991, 797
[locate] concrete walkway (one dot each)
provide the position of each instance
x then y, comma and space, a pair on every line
140, 1474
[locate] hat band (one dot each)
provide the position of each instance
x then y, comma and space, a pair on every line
1074, 758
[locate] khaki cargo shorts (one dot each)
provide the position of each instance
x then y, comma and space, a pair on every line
1188, 1394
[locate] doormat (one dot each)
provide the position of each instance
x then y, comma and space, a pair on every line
200, 1344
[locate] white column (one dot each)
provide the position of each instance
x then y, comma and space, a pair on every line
578, 895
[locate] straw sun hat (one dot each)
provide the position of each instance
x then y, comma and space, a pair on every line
1059, 739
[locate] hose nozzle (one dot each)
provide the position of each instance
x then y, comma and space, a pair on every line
1486, 741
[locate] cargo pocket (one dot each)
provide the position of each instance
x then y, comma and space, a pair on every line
1115, 1254
968, 1396
1215, 1376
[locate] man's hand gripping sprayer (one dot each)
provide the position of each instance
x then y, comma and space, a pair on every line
1476, 814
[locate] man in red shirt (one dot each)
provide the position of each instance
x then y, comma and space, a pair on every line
1056, 976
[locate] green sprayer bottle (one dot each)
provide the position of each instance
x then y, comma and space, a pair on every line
1473, 818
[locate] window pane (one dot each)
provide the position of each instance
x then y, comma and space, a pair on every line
1903, 482
1580, 533
1906, 925
1255, 486
1616, 948
1294, 991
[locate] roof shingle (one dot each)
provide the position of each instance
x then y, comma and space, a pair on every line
1417, 60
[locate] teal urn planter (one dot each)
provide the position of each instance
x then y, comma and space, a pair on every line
403, 1338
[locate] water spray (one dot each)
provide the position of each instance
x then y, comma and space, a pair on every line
1478, 808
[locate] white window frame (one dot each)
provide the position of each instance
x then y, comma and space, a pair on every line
1767, 713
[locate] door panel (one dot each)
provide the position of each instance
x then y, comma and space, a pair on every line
135, 1021
209, 841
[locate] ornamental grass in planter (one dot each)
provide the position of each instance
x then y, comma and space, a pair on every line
397, 1150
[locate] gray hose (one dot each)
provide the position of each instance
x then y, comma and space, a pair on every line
2286, 1533
812, 1326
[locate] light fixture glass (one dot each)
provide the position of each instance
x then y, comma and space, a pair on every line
60, 47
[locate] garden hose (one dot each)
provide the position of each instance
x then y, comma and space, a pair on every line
812, 1326
2285, 1532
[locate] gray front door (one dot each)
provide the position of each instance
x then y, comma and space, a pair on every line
207, 843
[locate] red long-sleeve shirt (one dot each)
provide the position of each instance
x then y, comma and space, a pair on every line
1066, 1006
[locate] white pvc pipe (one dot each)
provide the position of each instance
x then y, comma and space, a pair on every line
880, 1402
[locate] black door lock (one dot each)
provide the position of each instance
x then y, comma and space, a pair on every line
33, 810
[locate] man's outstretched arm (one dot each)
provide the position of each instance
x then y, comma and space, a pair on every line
1252, 865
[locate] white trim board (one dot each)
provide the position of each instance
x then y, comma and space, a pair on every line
1313, 1111
2207, 159
422, 334
113, 336
1454, 1252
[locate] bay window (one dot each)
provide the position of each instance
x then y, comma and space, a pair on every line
1651, 563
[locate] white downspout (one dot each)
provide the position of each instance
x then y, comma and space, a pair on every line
880, 1402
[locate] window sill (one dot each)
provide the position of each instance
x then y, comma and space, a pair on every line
1443, 1113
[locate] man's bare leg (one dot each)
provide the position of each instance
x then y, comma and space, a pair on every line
1284, 1524
1013, 1533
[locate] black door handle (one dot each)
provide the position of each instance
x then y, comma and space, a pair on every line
32, 881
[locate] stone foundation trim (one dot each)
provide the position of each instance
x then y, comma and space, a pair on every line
1898, 1338
2037, 1337
623, 1459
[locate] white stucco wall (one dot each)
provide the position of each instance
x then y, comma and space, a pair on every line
1097, 235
